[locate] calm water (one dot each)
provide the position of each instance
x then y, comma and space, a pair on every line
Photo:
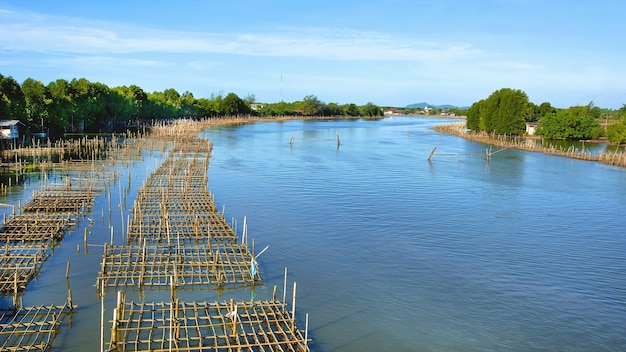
391, 252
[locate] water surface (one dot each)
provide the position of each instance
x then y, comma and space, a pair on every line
391, 252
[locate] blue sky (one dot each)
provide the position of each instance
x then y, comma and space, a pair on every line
391, 53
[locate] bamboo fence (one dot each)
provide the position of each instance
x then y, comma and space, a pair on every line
616, 158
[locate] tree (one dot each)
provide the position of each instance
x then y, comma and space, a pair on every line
371, 110
12, 101
188, 105
573, 123
232, 105
511, 110
473, 116
351, 109
61, 108
206, 107
250, 98
160, 106
38, 101
616, 132
504, 112
88, 101
311, 105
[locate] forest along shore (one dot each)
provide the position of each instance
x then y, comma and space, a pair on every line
616, 158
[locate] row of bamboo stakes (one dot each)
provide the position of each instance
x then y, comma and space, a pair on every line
615, 158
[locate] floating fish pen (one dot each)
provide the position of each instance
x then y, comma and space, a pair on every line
31, 329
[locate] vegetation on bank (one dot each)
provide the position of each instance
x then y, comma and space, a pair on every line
79, 105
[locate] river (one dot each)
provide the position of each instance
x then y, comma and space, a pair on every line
392, 252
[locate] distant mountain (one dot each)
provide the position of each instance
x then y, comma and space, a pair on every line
423, 105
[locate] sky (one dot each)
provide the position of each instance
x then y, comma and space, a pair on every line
390, 53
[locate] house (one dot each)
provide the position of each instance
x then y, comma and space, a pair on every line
392, 111
531, 127
9, 132
9, 129
257, 106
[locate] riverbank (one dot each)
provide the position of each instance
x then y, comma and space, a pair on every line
524, 143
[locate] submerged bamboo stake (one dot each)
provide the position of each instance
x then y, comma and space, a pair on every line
293, 308
285, 287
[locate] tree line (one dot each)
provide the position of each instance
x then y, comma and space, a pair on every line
507, 111
80, 105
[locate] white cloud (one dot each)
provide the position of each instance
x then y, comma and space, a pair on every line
44, 34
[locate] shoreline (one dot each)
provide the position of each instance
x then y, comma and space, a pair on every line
521, 143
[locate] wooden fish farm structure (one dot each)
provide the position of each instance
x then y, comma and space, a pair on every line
173, 237
27, 238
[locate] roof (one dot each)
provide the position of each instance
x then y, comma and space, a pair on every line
8, 123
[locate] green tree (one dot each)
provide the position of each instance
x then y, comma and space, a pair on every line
88, 101
61, 108
574, 123
473, 116
312, 105
206, 107
616, 132
12, 100
188, 105
504, 112
160, 105
371, 110
38, 102
351, 109
136, 100
332, 109
250, 98
232, 105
